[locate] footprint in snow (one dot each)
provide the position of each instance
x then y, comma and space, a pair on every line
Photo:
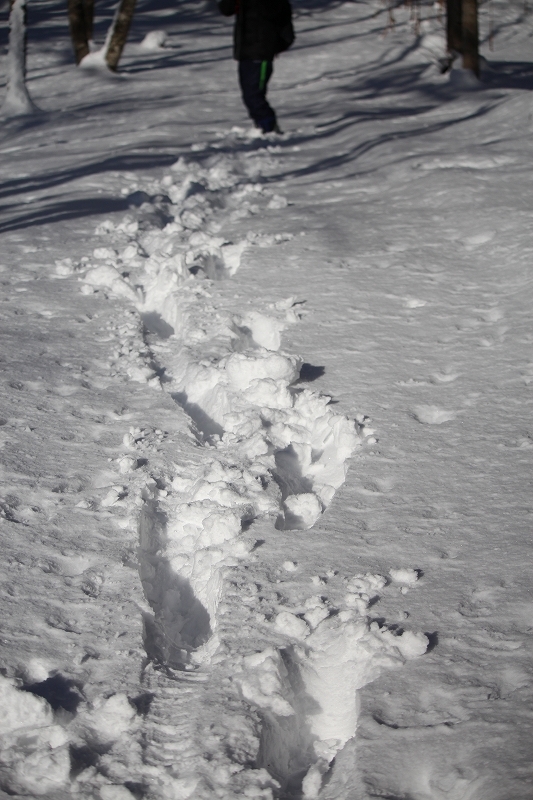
432, 415
413, 302
493, 314
478, 239
444, 377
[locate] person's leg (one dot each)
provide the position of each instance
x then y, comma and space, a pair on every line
253, 79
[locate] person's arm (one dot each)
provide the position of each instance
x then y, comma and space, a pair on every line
283, 12
227, 7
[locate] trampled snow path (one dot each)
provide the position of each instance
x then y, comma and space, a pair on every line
276, 454
279, 682
413, 196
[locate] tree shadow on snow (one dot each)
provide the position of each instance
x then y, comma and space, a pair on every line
392, 82
64, 210
57, 177
16, 215
509, 75
352, 154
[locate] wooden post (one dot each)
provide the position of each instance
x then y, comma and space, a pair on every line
470, 37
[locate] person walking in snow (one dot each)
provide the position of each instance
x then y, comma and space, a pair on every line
263, 28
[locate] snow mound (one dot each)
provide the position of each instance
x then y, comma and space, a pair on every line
433, 415
33, 749
154, 41
407, 577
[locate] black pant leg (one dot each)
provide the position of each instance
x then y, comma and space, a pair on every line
253, 79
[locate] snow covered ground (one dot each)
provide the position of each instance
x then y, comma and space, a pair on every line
265, 415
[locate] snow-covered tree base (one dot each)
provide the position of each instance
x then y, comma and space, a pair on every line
17, 101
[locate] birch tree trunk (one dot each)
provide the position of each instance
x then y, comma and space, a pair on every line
119, 33
17, 101
470, 36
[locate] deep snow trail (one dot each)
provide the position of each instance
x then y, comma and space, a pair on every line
209, 603
275, 455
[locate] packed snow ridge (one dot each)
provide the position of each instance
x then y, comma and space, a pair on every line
273, 451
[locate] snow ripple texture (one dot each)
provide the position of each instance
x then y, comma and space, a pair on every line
273, 451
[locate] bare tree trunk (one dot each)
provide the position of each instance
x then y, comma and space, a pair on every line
119, 33
89, 18
78, 34
17, 100
80, 17
470, 37
454, 26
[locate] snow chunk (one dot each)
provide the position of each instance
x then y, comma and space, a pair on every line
105, 253
110, 278
265, 331
367, 583
64, 267
231, 254
38, 763
278, 202
127, 464
268, 393
410, 644
302, 511
433, 415
36, 670
34, 758
407, 577
21, 709
312, 783
108, 719
342, 655
154, 40
242, 369
290, 566
317, 611
291, 625
263, 682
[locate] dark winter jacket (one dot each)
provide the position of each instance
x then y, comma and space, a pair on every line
263, 28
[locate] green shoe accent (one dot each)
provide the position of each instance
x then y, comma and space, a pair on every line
263, 75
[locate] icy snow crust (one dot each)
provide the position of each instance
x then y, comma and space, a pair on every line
201, 598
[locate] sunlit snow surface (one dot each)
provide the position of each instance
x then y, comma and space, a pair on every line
265, 430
